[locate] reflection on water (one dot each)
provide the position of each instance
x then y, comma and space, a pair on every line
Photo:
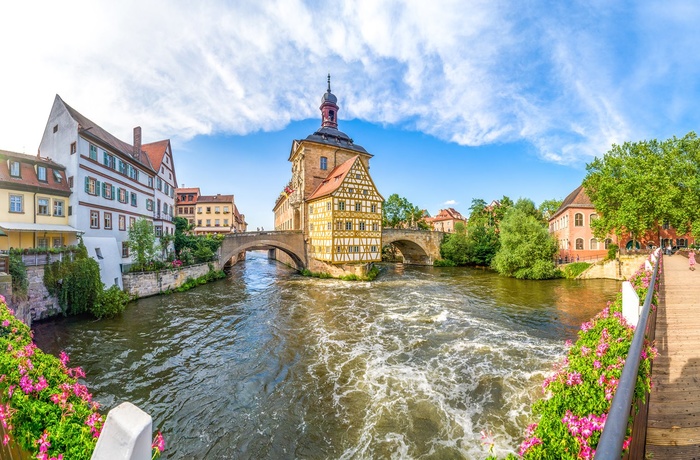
269, 364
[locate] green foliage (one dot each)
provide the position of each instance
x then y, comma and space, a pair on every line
612, 252
475, 244
571, 271
398, 212
110, 302
75, 283
212, 275
578, 396
20, 281
194, 248
527, 249
42, 396
142, 242
637, 186
203, 252
350, 277
548, 207
444, 263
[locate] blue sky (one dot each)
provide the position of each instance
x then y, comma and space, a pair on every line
456, 99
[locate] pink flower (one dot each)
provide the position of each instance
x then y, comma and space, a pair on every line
5, 323
5, 439
159, 442
528, 444
573, 378
64, 358
585, 351
596, 364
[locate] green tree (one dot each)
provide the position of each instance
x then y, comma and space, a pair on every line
527, 249
637, 186
142, 242
527, 206
549, 207
398, 212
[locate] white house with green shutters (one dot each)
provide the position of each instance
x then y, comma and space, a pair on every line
113, 184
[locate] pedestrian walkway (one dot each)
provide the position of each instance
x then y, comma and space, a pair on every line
673, 427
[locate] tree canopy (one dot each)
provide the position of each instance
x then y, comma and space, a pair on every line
638, 186
398, 212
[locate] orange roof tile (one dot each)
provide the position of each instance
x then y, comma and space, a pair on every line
156, 152
334, 179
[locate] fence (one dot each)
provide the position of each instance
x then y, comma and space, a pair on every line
610, 444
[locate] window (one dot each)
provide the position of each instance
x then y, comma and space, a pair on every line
56, 176
55, 129
208, 222
311, 227
348, 225
373, 248
150, 181
199, 209
16, 202
122, 222
225, 209
665, 225
375, 227
362, 225
341, 205
351, 190
149, 204
324, 163
682, 242
578, 220
125, 248
108, 191
93, 152
108, 221
328, 206
373, 208
594, 244
358, 207
339, 249
225, 222
14, 168
165, 208
208, 209
73, 148
70, 210
159, 231
579, 243
42, 243
58, 208
57, 242
216, 223
339, 225
159, 183
123, 195
91, 185
591, 218
70, 182
41, 173
42, 206
328, 226
94, 219
216, 209
134, 201
311, 209
199, 222
132, 221
98, 253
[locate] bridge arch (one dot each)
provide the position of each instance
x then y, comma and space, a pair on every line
418, 247
291, 243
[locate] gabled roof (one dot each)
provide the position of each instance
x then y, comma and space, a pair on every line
447, 214
28, 179
576, 199
215, 199
334, 179
156, 152
91, 129
188, 190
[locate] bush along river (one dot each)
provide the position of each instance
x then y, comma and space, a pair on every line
270, 364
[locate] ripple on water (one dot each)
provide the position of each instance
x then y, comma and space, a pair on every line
268, 364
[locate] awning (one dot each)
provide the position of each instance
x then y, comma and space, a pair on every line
30, 227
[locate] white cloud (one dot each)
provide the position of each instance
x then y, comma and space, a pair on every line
450, 202
476, 73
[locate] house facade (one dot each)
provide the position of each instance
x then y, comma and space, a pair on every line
186, 202
331, 196
160, 155
445, 220
34, 197
571, 226
216, 214
113, 184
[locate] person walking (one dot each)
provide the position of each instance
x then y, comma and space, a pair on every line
691, 260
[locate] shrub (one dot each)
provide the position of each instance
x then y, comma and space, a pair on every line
110, 302
612, 251
20, 281
43, 405
444, 263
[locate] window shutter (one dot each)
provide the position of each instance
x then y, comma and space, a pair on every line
87, 184
104, 190
97, 188
112, 191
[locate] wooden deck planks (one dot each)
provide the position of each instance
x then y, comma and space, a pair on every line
673, 426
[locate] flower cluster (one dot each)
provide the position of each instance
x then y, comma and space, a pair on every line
579, 392
44, 408
177, 263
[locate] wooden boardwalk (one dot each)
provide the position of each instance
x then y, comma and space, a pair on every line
673, 427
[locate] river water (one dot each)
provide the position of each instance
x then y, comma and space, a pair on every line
269, 364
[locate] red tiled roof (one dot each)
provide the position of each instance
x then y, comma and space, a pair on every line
577, 199
91, 129
187, 190
156, 152
334, 179
28, 176
215, 199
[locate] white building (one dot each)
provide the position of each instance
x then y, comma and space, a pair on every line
113, 184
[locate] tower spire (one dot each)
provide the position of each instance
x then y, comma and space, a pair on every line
329, 108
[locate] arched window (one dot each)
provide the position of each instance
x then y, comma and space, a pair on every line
594, 244
608, 242
579, 243
578, 220
591, 218
682, 242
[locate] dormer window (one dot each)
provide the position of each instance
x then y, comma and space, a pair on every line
14, 168
41, 173
57, 176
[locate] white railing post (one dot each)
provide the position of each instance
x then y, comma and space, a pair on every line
630, 303
126, 435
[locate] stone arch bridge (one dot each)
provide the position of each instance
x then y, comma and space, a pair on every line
418, 247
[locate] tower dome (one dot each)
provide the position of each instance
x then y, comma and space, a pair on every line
329, 108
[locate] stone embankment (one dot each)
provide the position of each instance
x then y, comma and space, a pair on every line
620, 269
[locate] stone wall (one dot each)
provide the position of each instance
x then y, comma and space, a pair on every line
621, 269
151, 283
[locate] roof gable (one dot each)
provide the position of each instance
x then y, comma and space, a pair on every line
577, 198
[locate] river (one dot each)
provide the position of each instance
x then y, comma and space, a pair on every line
268, 364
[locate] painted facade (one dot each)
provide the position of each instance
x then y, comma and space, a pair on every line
113, 183
160, 155
186, 199
331, 187
445, 220
34, 200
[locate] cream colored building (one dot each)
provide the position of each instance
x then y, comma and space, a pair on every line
217, 214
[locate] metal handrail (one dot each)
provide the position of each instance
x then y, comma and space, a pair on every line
610, 444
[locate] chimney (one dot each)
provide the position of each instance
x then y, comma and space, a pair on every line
137, 142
